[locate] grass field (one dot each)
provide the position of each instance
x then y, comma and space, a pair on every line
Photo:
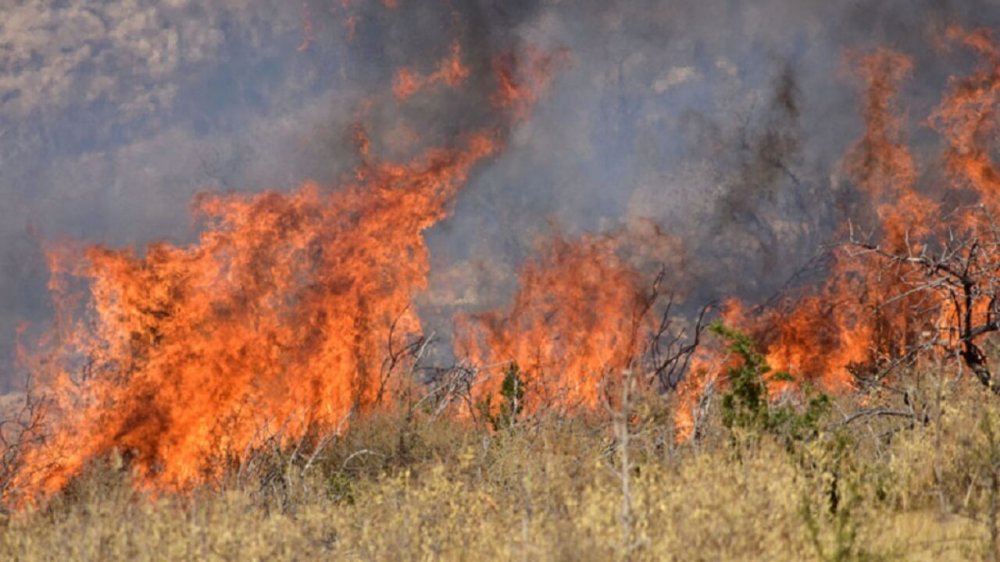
859, 484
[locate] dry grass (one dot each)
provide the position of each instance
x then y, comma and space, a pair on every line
878, 488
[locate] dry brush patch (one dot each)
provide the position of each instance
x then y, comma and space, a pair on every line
397, 487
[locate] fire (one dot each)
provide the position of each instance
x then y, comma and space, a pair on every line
820, 336
450, 71
278, 322
872, 312
521, 79
577, 319
279, 319
880, 162
275, 322
351, 27
967, 118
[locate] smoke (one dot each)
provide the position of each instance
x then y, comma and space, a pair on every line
724, 123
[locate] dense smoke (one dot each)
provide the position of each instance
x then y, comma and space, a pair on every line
723, 123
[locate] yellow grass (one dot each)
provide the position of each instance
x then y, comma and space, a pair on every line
393, 488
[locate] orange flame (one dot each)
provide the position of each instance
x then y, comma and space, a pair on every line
581, 317
450, 71
277, 320
846, 322
967, 118
880, 162
520, 80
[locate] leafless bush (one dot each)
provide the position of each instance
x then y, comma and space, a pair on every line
19, 430
960, 272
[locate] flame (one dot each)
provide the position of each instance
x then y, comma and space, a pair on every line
576, 321
351, 27
308, 33
450, 71
279, 321
521, 79
276, 321
880, 162
820, 336
867, 312
967, 118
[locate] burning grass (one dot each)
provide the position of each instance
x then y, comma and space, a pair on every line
181, 356
868, 485
254, 394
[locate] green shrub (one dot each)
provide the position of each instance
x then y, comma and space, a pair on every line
747, 410
511, 405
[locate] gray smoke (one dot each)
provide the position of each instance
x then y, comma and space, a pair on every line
723, 122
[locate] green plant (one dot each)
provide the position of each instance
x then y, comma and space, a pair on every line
841, 491
747, 411
511, 405
745, 405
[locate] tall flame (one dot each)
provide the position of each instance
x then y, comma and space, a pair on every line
968, 118
277, 319
576, 322
280, 318
820, 337
868, 312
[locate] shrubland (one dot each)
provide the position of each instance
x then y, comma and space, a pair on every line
905, 470
277, 417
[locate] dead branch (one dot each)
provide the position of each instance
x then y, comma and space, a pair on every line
962, 270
